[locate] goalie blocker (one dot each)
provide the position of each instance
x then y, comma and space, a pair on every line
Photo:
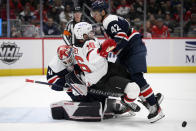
84, 111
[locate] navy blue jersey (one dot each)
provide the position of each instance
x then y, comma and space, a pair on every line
120, 30
57, 78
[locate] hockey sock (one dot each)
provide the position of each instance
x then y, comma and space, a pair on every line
127, 99
148, 95
146, 92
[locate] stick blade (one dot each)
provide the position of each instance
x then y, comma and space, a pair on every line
29, 80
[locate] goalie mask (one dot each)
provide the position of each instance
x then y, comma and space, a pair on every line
65, 54
83, 28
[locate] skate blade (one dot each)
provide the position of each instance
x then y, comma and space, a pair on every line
160, 100
127, 114
131, 113
157, 118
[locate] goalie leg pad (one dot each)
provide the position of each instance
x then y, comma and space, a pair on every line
78, 111
58, 113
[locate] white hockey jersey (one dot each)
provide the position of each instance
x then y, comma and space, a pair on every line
57, 70
91, 63
57, 65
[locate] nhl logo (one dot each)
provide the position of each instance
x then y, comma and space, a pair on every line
9, 53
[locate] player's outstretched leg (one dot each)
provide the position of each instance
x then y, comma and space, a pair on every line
152, 103
147, 94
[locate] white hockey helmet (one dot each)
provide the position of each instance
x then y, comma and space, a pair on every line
81, 29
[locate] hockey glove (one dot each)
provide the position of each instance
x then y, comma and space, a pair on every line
107, 46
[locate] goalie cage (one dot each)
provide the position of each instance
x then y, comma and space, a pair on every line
84, 111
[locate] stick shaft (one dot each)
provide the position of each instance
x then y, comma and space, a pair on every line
44, 83
50, 84
104, 32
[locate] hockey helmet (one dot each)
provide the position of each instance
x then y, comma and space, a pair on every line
65, 54
81, 29
99, 5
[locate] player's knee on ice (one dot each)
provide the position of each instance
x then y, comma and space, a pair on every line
132, 90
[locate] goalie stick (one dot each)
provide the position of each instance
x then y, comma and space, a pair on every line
50, 84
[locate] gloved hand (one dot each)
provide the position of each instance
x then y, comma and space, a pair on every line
107, 46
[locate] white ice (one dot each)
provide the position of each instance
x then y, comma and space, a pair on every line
26, 107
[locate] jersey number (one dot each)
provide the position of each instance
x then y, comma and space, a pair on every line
50, 72
83, 67
91, 45
115, 28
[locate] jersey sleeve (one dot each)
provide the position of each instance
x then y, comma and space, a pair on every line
119, 29
118, 32
56, 78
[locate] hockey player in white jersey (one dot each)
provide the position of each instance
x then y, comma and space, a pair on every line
83, 106
100, 76
61, 66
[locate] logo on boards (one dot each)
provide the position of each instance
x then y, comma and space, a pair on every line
9, 53
190, 46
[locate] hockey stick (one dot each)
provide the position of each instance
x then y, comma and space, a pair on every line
104, 32
41, 82
50, 84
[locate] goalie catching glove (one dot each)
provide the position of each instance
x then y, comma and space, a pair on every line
107, 46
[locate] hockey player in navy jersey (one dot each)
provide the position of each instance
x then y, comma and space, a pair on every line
131, 53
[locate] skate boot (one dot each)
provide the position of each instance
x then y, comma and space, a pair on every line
155, 113
130, 106
123, 110
159, 97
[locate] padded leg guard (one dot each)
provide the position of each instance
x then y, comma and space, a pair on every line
78, 111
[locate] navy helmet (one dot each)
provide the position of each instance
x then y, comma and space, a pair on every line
99, 5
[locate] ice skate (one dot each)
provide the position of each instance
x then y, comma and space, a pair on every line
124, 111
159, 97
155, 113
130, 106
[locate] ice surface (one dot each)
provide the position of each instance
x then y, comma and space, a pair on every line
26, 107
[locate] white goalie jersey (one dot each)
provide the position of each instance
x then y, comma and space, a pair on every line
91, 63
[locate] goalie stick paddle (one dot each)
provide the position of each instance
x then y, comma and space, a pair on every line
50, 84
